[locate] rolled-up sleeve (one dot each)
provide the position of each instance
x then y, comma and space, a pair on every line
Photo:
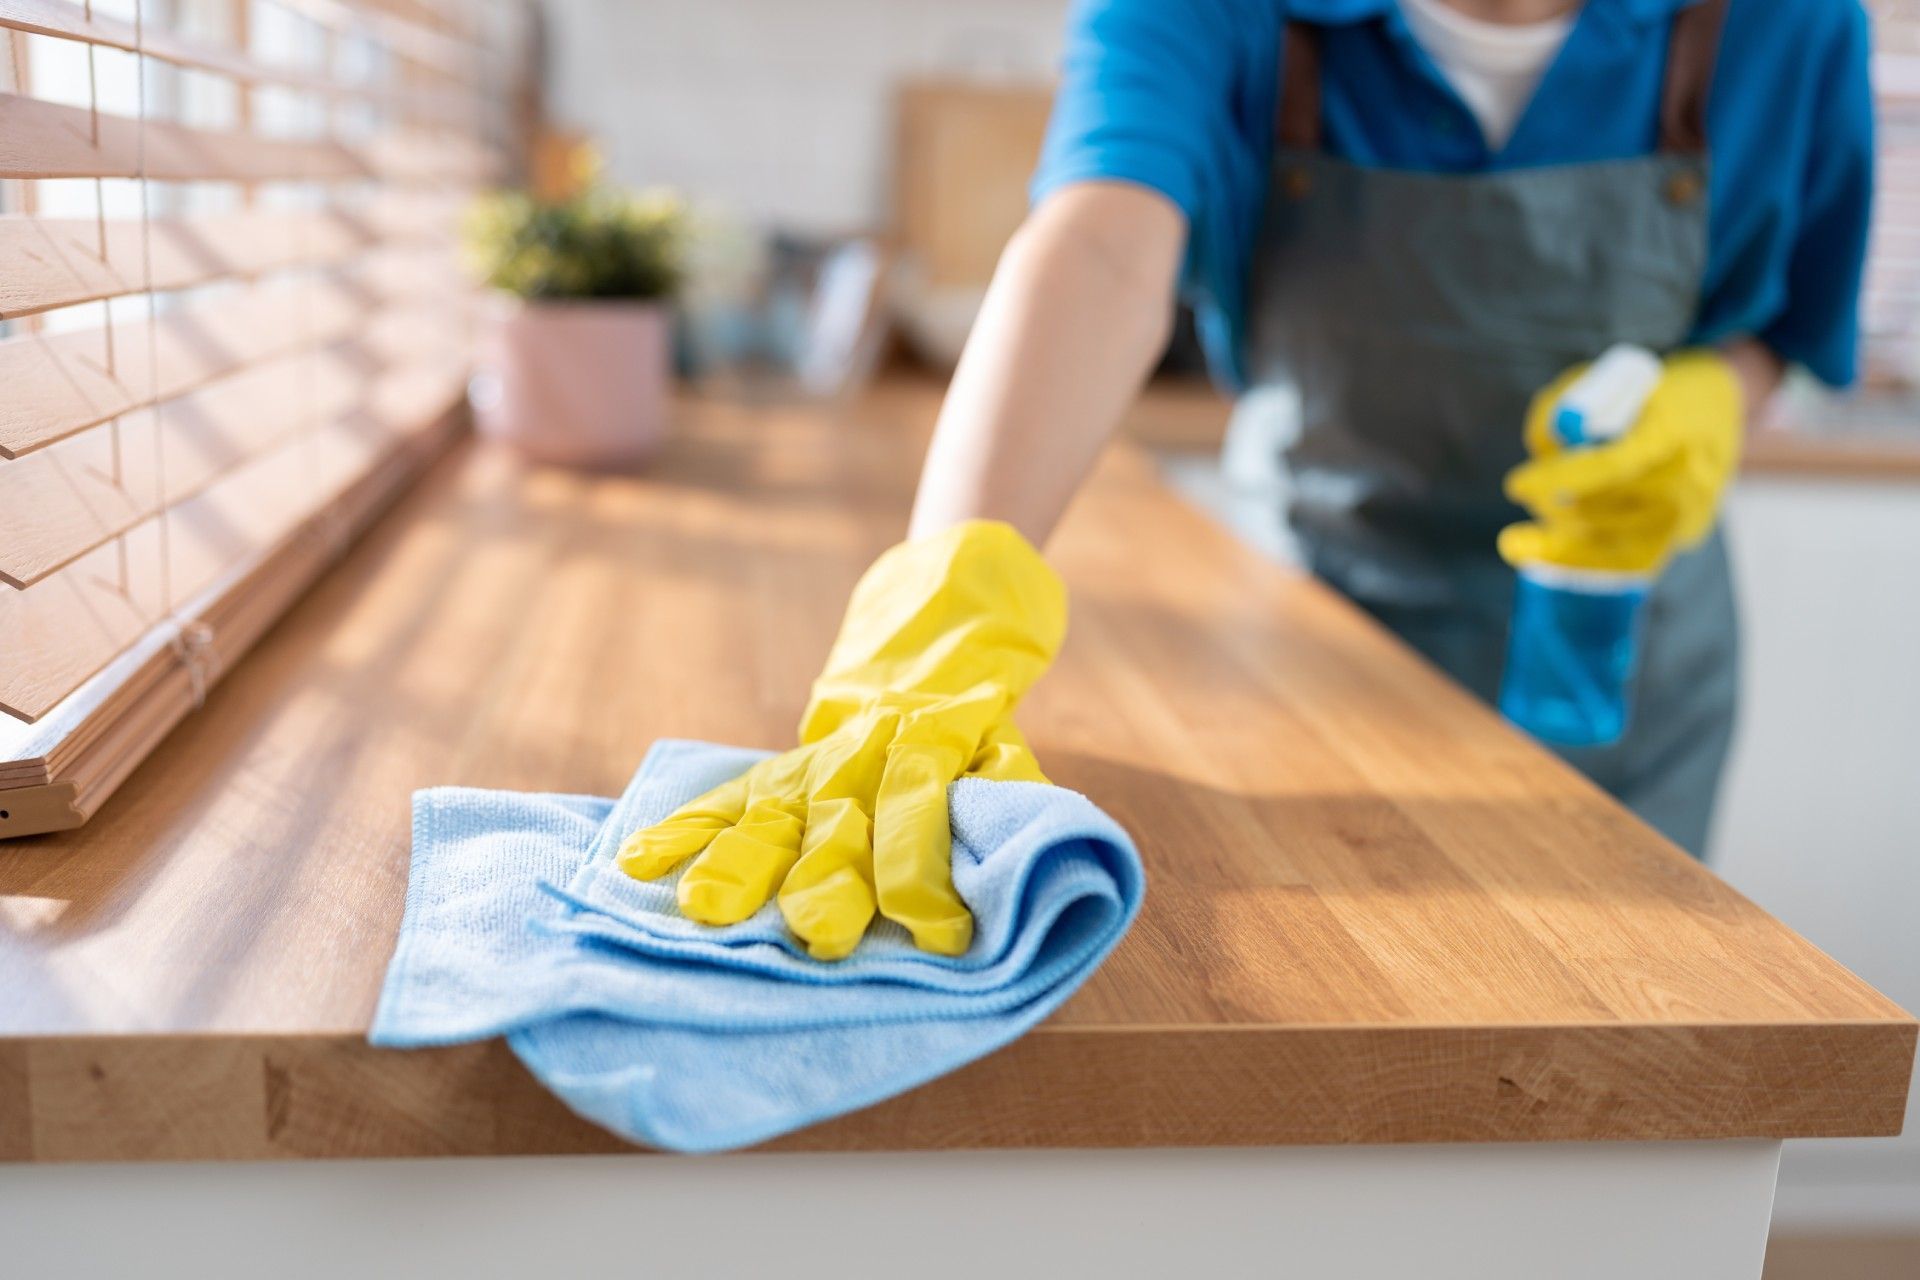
1818, 326
1165, 95
1144, 97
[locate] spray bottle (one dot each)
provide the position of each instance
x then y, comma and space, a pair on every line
1575, 635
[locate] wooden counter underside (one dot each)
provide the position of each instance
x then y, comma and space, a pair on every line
1375, 913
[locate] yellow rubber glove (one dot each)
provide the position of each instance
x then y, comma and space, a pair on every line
1626, 506
942, 637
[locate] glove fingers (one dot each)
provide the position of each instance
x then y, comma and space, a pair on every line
1005, 756
1573, 544
847, 765
744, 864
1647, 518
828, 898
1550, 482
654, 851
1631, 503
912, 848
1523, 544
744, 861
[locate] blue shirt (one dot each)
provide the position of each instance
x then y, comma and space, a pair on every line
1178, 95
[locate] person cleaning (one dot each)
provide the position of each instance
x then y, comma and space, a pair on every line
1423, 217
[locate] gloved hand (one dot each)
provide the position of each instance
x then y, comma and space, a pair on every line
1627, 505
942, 637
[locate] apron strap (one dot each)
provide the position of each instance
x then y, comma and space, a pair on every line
1693, 45
1296, 117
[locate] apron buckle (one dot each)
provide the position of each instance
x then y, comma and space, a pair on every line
1684, 188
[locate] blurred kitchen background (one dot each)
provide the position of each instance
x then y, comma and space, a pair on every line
907, 128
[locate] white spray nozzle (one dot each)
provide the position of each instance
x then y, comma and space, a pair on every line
1605, 400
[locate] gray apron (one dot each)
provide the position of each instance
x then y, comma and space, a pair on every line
1414, 315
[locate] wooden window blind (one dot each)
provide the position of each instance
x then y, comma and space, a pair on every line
232, 327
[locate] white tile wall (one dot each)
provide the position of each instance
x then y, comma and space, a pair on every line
779, 110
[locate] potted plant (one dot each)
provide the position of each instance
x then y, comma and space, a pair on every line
576, 358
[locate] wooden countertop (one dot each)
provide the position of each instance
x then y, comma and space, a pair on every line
1375, 914
1837, 455
1189, 417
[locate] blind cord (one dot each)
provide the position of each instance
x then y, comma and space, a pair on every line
190, 640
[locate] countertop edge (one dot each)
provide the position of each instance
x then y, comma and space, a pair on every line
314, 1096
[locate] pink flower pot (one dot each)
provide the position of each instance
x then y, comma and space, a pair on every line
581, 383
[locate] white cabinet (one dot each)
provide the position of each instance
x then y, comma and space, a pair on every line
1820, 816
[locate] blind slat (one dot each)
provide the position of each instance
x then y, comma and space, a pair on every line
450, 56
265, 372
47, 263
57, 385
74, 622
64, 20
47, 140
60, 503
414, 156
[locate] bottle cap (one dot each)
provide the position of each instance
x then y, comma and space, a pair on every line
1607, 399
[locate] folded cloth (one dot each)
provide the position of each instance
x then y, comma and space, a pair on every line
695, 1038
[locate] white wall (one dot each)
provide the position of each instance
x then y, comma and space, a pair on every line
778, 109
1820, 819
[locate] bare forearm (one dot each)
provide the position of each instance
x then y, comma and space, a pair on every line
1758, 371
1077, 314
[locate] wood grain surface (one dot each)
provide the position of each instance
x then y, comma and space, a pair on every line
1375, 913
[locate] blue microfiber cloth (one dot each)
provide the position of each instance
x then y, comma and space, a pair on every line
695, 1038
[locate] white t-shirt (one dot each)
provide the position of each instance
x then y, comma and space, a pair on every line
1493, 66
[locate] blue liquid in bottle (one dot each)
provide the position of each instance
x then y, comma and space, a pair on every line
1575, 635
1571, 653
